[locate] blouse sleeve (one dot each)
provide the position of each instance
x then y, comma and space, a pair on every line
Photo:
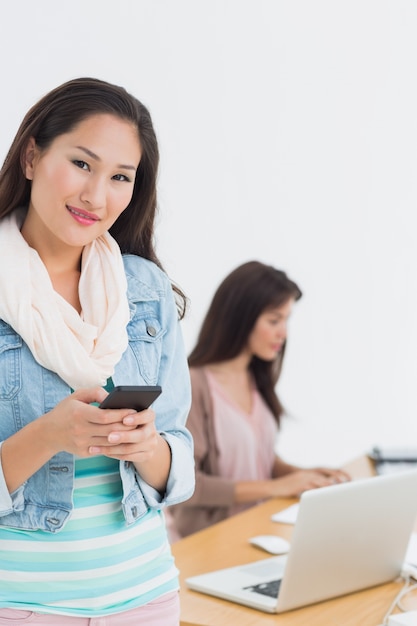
211, 490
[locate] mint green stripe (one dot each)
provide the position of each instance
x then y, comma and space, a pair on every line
136, 602
105, 527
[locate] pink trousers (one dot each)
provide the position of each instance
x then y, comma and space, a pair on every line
164, 611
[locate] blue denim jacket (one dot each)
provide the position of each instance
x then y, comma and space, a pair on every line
155, 355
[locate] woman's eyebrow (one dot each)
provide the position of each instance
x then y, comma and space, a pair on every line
97, 158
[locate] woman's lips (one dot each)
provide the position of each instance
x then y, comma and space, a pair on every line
83, 217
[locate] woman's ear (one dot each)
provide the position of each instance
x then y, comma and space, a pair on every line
29, 158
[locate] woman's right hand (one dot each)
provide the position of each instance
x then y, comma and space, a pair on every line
75, 424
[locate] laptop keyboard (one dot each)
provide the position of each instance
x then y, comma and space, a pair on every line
266, 589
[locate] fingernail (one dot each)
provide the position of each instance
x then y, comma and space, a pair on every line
94, 450
113, 437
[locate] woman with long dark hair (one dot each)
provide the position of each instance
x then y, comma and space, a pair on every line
235, 411
85, 306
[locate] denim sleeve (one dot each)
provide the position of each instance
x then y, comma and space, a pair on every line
171, 409
180, 485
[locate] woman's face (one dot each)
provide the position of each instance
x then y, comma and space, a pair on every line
81, 183
270, 331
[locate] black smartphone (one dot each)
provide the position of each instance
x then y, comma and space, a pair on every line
131, 397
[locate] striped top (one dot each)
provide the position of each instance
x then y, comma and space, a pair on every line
96, 565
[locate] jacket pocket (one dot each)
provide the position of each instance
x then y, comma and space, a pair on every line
145, 340
10, 361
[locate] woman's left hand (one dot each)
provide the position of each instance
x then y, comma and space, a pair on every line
143, 446
136, 445
336, 475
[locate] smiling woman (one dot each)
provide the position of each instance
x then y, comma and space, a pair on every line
79, 189
89, 184
82, 529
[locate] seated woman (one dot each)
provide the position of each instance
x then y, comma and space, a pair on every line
235, 412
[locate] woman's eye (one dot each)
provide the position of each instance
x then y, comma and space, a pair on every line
121, 177
275, 320
81, 164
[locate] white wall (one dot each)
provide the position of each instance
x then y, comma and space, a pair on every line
288, 133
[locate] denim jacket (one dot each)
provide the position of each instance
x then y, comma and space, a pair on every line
155, 355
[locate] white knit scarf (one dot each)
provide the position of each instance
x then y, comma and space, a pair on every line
81, 349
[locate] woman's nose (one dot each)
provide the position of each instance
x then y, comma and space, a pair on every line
282, 331
94, 192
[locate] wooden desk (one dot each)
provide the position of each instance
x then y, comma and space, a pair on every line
226, 544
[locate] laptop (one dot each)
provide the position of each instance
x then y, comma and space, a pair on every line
347, 537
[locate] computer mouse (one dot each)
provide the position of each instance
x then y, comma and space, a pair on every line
271, 543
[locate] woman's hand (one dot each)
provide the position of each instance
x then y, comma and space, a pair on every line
74, 425
78, 427
295, 483
336, 475
290, 483
137, 440
133, 438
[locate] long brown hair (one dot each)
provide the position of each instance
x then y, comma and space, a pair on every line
58, 112
240, 299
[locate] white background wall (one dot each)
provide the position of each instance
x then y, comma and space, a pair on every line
288, 133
